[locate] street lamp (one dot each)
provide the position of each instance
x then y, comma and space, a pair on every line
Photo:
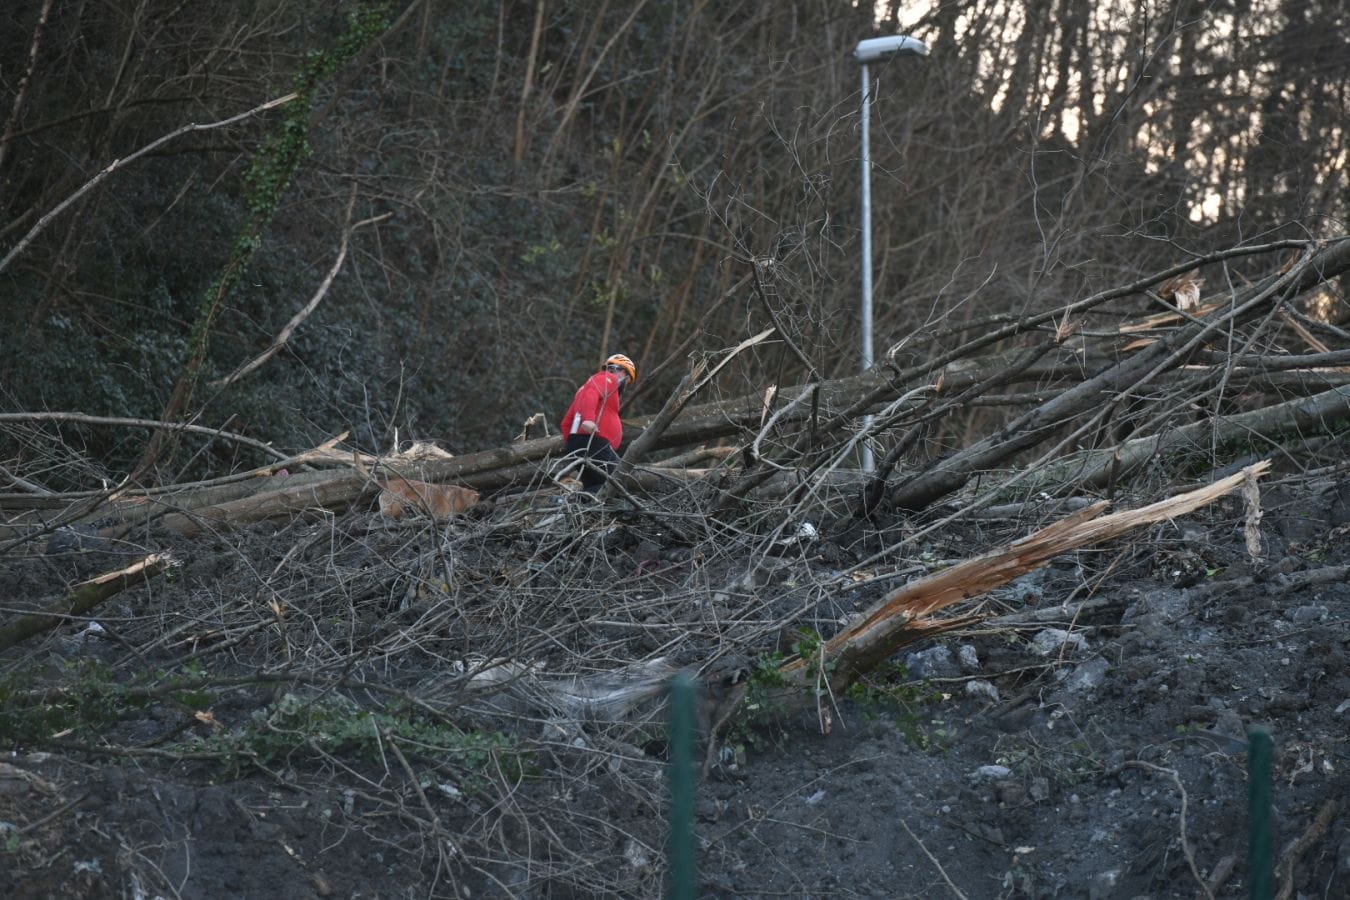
870, 51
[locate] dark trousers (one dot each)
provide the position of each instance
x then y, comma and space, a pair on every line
600, 459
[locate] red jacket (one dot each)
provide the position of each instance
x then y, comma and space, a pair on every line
596, 401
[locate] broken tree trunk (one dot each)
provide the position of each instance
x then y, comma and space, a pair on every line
905, 614
285, 500
84, 597
1095, 374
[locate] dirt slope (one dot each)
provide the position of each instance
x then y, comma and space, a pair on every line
334, 731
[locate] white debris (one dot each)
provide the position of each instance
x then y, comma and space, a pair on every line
638, 856
1089, 675
991, 773
981, 688
1053, 640
935, 662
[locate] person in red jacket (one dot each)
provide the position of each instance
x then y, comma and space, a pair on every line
592, 427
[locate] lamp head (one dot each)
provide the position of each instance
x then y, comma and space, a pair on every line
876, 49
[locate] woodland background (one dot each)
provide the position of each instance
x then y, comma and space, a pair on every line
551, 182
279, 222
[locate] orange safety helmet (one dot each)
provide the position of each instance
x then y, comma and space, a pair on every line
623, 362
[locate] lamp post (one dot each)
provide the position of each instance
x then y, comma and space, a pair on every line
869, 51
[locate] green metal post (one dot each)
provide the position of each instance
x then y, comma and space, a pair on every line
681, 851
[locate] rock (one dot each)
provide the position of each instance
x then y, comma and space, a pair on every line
1028, 589
1051, 640
1303, 615
1286, 701
1039, 789
935, 662
990, 773
981, 688
969, 659
1229, 724
1288, 565
1011, 793
709, 810
1077, 814
1162, 605
1104, 885
74, 539
637, 855
1089, 675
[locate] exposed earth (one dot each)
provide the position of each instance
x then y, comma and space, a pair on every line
308, 710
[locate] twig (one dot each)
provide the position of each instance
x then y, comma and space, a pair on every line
27, 78
285, 334
1315, 831
83, 419
64, 807
1222, 869
444, 840
783, 332
1185, 844
934, 860
84, 597
24, 484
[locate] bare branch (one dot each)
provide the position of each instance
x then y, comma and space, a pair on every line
121, 163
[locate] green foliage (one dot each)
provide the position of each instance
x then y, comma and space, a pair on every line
887, 692
807, 647
759, 719
89, 702
272, 168
335, 725
270, 173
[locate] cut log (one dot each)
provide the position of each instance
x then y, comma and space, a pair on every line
1094, 468
336, 494
1167, 353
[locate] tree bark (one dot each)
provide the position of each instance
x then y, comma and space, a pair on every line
950, 474
85, 596
905, 615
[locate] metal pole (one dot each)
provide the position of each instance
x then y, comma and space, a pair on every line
683, 874
867, 463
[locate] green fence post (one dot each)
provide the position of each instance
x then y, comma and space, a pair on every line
681, 850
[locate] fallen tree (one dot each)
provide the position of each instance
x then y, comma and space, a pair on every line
82, 599
906, 614
787, 439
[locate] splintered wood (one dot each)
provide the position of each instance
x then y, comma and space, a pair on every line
904, 615
82, 598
